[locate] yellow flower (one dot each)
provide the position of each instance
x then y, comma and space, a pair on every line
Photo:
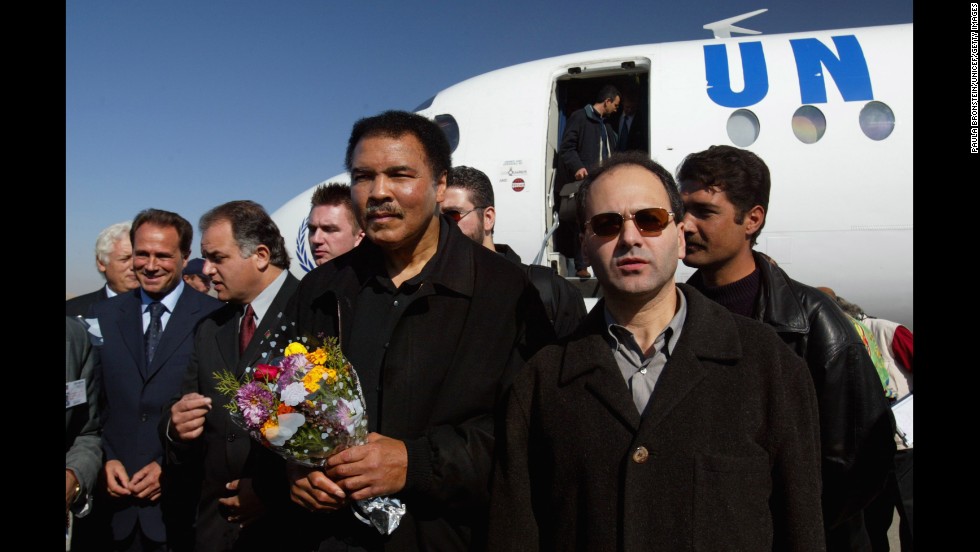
295, 348
269, 424
331, 376
312, 378
318, 357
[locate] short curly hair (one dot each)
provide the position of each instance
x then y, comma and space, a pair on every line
394, 124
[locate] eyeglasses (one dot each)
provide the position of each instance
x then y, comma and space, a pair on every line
458, 215
653, 219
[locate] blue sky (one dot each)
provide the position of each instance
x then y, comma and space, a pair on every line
183, 105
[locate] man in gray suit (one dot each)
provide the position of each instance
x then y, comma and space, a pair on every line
83, 447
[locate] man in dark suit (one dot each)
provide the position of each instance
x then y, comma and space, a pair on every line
246, 259
631, 127
114, 259
147, 343
664, 421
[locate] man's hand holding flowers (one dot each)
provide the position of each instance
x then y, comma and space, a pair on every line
313, 490
377, 468
308, 407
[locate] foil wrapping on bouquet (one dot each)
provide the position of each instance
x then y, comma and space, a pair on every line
383, 512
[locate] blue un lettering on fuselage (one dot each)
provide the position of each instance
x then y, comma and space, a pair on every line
813, 61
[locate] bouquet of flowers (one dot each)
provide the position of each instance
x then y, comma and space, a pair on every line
307, 405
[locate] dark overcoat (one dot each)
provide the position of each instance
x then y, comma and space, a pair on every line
581, 144
725, 457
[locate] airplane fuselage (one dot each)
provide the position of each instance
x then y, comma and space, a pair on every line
830, 112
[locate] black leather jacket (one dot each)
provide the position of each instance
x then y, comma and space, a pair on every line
856, 424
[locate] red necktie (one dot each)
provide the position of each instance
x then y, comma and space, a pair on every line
248, 329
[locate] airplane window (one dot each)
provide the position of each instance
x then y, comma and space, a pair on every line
809, 124
743, 128
450, 128
877, 120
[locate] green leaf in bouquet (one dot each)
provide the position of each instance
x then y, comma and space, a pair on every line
227, 384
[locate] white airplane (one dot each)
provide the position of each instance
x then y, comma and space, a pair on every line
830, 112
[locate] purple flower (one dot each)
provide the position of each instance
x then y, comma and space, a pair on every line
290, 365
255, 403
349, 413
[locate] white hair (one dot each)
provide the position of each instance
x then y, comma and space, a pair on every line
107, 240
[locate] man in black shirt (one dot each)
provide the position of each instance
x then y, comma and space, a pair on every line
435, 325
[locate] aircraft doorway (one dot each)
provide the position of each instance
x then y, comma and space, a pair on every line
575, 88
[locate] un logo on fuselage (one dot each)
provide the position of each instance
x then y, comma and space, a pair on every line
302, 246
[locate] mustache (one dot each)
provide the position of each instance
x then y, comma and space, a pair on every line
383, 210
633, 255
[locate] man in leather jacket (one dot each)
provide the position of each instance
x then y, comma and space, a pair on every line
726, 198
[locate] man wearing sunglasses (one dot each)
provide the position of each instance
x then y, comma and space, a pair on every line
726, 199
469, 201
664, 421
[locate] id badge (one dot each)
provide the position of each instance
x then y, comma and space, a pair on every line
75, 393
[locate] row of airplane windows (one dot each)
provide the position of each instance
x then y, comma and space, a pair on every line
809, 124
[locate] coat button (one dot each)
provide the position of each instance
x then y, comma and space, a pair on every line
640, 455
231, 437
143, 417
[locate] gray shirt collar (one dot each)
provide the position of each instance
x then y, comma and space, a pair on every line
616, 333
640, 372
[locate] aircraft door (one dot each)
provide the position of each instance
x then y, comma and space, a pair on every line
575, 88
